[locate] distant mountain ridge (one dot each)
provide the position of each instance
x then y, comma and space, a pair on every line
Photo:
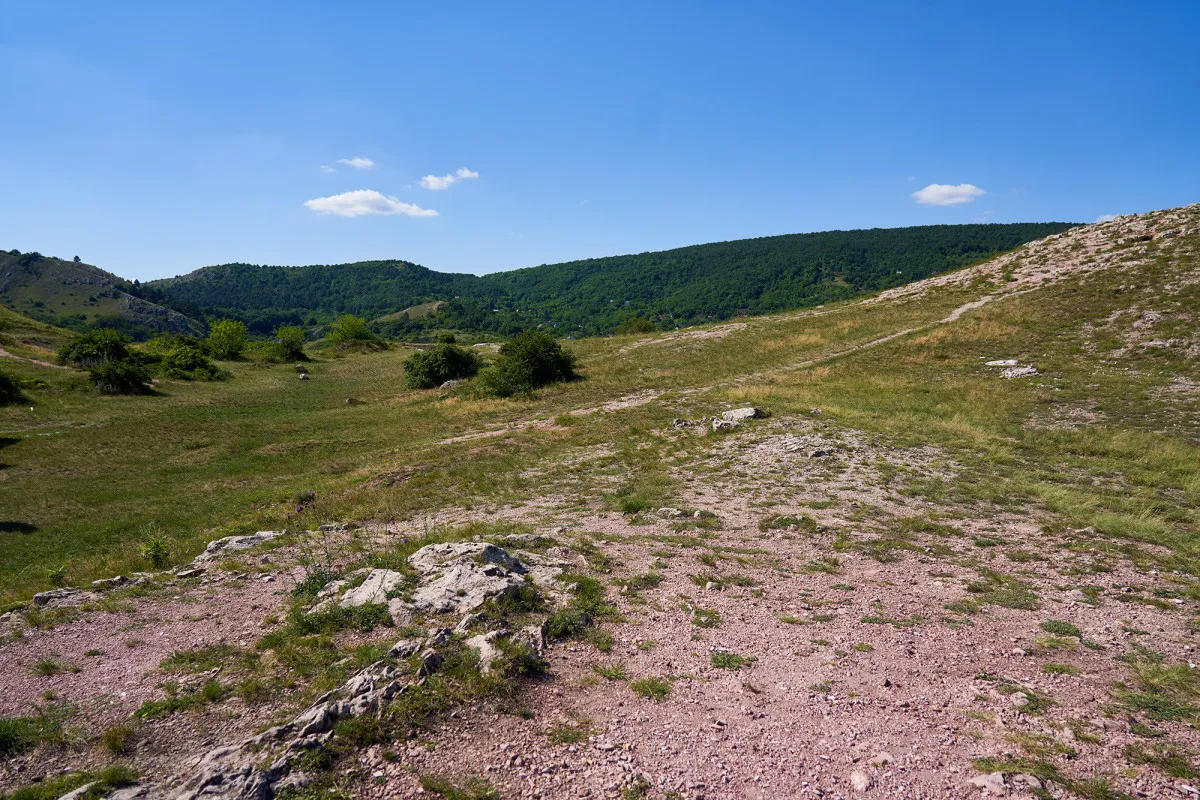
74, 295
685, 285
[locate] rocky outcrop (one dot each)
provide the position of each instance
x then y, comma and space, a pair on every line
220, 548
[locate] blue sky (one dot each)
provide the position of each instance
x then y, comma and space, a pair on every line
155, 138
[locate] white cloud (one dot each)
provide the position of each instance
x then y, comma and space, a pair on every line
938, 194
327, 169
358, 162
361, 202
1105, 218
438, 183
986, 216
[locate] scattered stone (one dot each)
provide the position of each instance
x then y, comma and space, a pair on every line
1019, 700
670, 513
1005, 362
860, 780
453, 384
741, 414
882, 758
992, 783
300, 368
303, 376
190, 572
353, 401
723, 425
819, 453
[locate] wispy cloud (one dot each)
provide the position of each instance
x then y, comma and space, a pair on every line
986, 216
358, 162
440, 182
327, 169
362, 202
1105, 218
938, 194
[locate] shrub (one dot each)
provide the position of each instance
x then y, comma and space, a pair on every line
226, 339
426, 369
155, 551
349, 328
289, 343
187, 362
635, 325
527, 361
121, 377
10, 390
447, 338
96, 347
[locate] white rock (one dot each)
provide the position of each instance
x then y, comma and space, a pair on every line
741, 414
860, 780
992, 783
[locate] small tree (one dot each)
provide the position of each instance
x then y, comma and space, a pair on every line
527, 361
186, 361
289, 343
635, 325
226, 339
10, 390
349, 328
94, 348
426, 369
447, 338
121, 377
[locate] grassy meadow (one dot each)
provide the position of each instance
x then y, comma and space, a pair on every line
85, 480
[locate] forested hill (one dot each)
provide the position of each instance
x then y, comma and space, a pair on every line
682, 286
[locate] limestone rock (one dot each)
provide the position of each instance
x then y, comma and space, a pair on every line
53, 597
405, 648
221, 547
374, 590
860, 780
300, 368
991, 784
485, 643
741, 414
1019, 372
723, 425
109, 583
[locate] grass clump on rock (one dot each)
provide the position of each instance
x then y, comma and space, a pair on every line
426, 369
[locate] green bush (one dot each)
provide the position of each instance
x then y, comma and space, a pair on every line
226, 339
349, 328
447, 338
635, 325
527, 361
426, 369
289, 343
187, 362
94, 348
121, 377
10, 390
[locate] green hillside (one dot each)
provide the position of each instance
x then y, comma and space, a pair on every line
74, 295
674, 287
